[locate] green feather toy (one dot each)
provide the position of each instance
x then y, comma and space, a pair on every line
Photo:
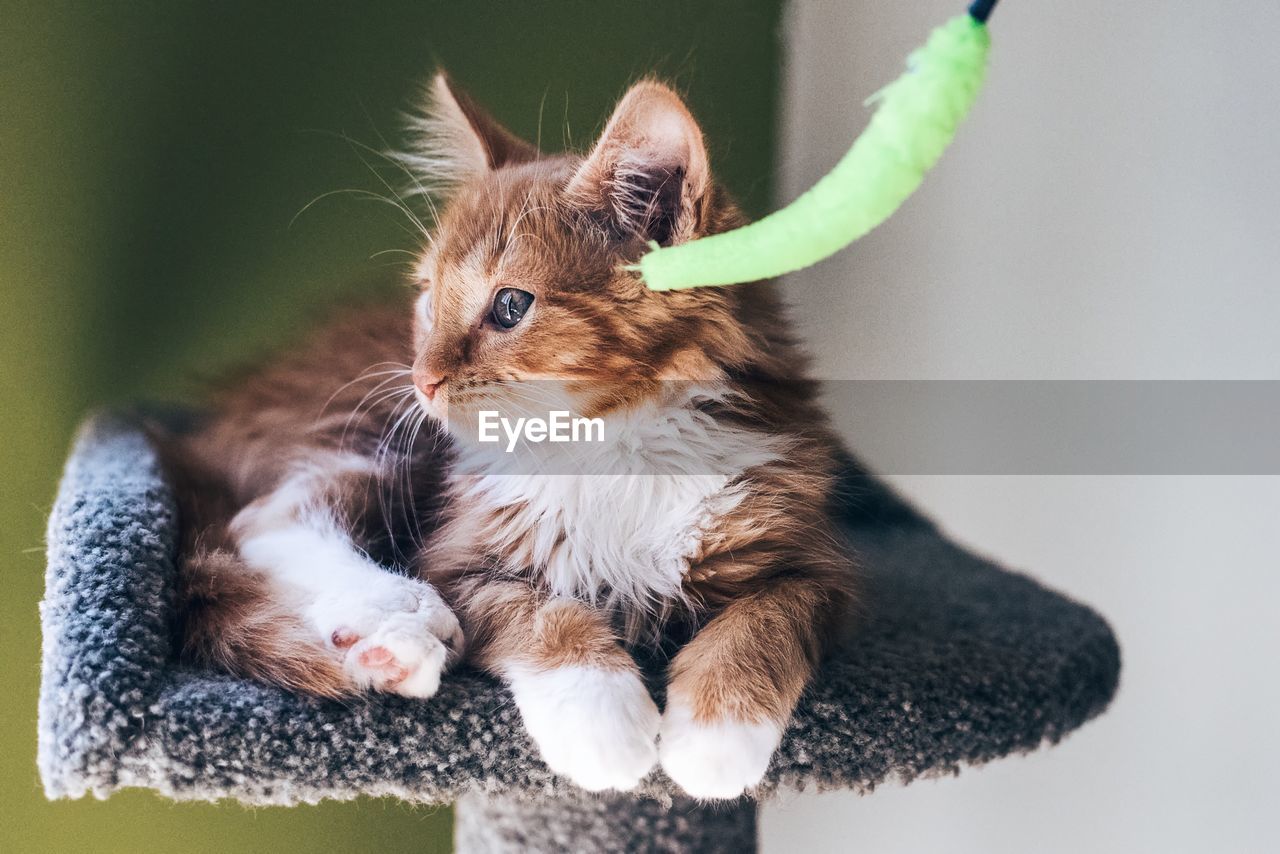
916, 117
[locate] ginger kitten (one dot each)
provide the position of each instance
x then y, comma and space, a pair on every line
702, 511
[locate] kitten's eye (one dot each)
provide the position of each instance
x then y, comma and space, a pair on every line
510, 306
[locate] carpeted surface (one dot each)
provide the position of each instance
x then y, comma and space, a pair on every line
954, 661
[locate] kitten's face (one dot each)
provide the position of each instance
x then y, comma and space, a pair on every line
526, 301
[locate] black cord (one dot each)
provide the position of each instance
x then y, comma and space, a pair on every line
980, 10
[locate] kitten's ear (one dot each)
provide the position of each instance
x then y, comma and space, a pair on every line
648, 174
454, 139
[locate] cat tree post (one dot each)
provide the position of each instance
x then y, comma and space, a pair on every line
603, 823
954, 661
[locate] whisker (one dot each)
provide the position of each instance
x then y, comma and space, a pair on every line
397, 369
541, 106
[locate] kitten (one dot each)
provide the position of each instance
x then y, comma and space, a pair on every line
703, 511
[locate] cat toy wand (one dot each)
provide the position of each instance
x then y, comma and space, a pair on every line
915, 119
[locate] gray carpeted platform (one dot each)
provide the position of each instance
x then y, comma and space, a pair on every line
957, 661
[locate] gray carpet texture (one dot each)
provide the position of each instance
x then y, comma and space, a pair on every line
954, 661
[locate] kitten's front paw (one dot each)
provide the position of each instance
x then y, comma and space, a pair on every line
596, 727
720, 759
394, 634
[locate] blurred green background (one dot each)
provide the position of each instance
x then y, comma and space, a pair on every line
152, 156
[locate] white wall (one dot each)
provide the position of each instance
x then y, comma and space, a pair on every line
1110, 211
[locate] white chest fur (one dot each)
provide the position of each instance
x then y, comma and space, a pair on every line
626, 535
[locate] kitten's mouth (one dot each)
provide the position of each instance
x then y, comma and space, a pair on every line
456, 409
436, 406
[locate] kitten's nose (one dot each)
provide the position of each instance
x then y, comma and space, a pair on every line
428, 382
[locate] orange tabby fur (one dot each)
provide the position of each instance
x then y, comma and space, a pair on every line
302, 445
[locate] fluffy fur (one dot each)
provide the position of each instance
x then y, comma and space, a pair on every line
346, 531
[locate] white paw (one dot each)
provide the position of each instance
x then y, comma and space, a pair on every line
715, 760
394, 634
596, 727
